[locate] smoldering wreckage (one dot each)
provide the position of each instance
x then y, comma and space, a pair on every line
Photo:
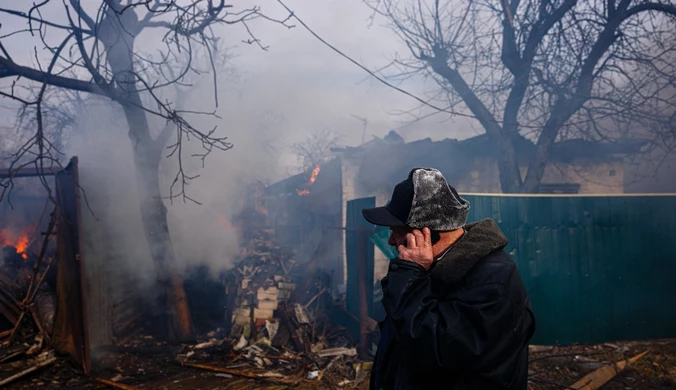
268, 322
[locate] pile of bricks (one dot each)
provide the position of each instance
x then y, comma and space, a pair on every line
263, 283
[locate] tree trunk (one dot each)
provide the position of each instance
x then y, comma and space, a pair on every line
508, 166
119, 43
154, 217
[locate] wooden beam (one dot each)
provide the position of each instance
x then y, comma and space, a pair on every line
28, 172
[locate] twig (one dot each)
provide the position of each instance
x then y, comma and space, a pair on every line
115, 384
542, 380
281, 262
322, 291
328, 366
33, 287
243, 374
44, 275
38, 323
565, 355
14, 354
27, 371
16, 326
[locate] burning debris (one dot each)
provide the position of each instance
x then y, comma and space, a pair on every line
17, 241
27, 302
311, 181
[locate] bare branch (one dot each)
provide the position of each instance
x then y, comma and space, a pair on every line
41, 21
566, 69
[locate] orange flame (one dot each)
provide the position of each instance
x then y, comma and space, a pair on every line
20, 243
315, 173
313, 178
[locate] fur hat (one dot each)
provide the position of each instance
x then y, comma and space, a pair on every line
424, 199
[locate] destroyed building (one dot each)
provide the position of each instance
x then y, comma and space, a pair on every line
271, 312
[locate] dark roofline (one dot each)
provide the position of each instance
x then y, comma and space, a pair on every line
295, 182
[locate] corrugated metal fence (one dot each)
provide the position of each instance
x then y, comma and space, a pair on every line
597, 268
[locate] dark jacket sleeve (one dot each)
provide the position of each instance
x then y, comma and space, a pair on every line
451, 334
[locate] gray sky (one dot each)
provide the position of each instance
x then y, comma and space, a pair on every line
316, 87
302, 79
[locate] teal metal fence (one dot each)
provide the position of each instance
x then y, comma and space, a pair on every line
359, 257
597, 268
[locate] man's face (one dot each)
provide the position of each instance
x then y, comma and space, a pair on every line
398, 236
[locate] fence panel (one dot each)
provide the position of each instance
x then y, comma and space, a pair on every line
597, 268
359, 253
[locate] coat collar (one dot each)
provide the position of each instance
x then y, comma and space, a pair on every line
480, 239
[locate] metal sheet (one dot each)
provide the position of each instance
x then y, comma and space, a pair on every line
597, 268
359, 250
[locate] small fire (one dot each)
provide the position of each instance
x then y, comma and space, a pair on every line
20, 243
313, 178
315, 173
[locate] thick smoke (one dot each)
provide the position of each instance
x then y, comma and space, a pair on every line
201, 233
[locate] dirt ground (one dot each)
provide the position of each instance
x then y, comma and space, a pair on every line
559, 367
550, 368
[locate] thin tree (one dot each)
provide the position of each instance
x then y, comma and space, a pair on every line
316, 148
548, 70
97, 54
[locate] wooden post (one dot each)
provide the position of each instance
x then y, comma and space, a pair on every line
363, 303
179, 301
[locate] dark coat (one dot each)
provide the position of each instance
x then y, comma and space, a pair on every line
464, 324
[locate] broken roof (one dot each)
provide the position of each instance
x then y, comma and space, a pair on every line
385, 161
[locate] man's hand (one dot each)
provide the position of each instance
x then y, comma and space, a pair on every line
418, 248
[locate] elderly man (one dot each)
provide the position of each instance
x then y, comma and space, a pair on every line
458, 315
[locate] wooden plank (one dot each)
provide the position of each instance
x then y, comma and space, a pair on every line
605, 374
70, 333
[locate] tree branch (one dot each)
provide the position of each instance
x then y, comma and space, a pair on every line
42, 21
669, 9
213, 16
11, 69
82, 14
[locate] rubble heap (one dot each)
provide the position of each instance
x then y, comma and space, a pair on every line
263, 283
278, 329
27, 309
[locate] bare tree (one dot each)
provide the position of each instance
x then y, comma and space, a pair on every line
316, 148
548, 70
97, 54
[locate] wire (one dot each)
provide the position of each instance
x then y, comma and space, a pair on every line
371, 73
365, 69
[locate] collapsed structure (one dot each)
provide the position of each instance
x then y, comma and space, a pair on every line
278, 323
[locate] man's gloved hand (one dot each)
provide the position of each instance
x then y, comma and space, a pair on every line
418, 248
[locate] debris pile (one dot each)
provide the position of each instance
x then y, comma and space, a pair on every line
16, 279
27, 308
278, 329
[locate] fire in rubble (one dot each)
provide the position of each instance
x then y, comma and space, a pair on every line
18, 241
311, 181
